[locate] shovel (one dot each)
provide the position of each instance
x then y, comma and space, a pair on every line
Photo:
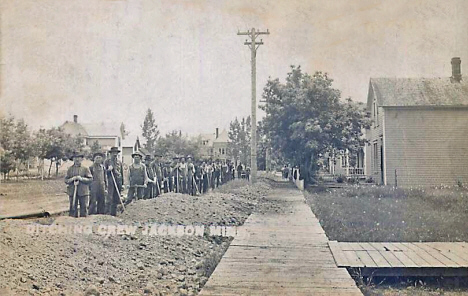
75, 207
117, 189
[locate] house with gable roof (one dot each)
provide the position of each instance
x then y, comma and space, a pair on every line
419, 134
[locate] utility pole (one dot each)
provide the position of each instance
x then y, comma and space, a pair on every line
253, 45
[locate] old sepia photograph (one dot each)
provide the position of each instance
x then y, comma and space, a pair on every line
233, 147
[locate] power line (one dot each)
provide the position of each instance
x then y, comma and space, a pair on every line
253, 45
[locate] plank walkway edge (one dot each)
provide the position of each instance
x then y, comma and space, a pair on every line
403, 259
285, 254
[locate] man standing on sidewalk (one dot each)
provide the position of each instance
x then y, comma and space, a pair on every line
114, 171
78, 179
98, 187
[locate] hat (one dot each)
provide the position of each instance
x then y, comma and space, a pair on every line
98, 154
175, 157
189, 156
114, 149
148, 157
76, 154
137, 153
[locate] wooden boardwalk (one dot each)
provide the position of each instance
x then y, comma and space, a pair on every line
283, 253
430, 259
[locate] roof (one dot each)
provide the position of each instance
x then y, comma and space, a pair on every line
208, 137
129, 141
102, 129
223, 137
395, 92
73, 128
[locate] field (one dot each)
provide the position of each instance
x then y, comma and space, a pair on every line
29, 196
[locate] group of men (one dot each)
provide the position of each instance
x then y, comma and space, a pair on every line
97, 189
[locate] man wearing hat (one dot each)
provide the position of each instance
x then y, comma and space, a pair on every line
151, 188
157, 169
78, 179
97, 201
175, 174
190, 176
114, 171
183, 175
167, 175
138, 178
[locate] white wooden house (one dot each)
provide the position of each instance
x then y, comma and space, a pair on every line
419, 135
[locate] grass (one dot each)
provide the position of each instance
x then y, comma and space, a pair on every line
378, 214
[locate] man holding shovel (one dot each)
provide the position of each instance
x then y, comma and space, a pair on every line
138, 178
78, 179
97, 202
115, 179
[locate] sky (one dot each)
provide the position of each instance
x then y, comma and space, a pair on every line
111, 60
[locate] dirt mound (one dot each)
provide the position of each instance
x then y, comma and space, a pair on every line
39, 261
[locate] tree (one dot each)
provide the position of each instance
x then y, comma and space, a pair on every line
150, 131
42, 144
305, 118
174, 144
95, 148
245, 140
55, 145
7, 131
234, 140
7, 163
16, 142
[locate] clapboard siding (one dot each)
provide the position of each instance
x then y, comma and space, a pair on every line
374, 135
426, 146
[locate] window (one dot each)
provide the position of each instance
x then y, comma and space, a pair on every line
376, 114
376, 157
222, 151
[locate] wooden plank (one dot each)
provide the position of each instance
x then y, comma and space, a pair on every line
377, 246
338, 255
453, 252
391, 259
412, 255
407, 262
368, 247
356, 247
282, 254
426, 256
365, 258
390, 247
379, 260
437, 254
353, 259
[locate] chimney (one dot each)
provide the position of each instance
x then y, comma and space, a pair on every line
217, 132
456, 70
75, 118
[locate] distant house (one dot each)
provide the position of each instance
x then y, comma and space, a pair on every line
215, 146
220, 146
106, 134
419, 135
342, 163
206, 148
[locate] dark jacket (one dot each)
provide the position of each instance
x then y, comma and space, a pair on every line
83, 186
